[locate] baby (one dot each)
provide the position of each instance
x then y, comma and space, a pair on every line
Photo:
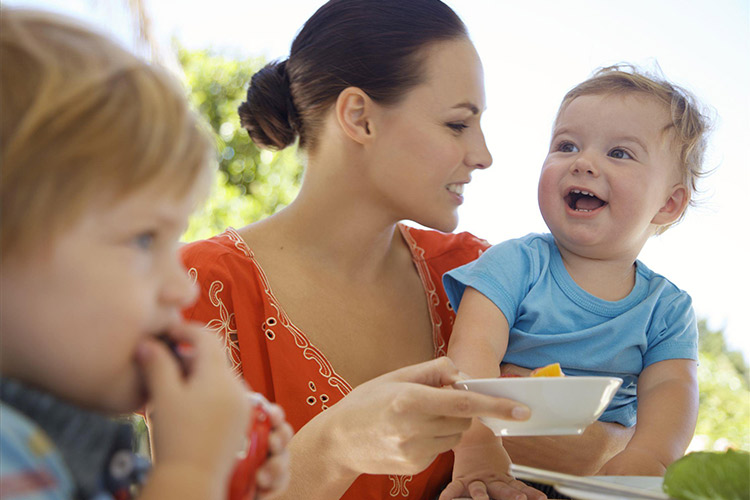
625, 154
102, 162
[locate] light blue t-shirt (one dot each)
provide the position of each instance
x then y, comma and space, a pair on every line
552, 319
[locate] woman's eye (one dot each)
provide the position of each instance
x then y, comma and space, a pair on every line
620, 154
567, 147
457, 127
145, 240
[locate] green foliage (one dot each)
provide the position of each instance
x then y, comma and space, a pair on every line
252, 183
724, 412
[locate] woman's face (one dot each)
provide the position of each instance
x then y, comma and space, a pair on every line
430, 142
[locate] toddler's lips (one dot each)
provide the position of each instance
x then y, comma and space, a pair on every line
583, 201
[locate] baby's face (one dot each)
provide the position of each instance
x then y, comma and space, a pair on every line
75, 311
609, 174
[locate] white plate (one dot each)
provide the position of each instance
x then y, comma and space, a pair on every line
559, 405
595, 487
647, 484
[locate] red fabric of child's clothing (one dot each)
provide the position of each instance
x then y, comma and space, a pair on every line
277, 359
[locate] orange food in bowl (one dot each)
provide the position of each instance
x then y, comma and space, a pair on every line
552, 370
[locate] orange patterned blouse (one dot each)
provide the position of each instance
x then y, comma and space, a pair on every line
277, 359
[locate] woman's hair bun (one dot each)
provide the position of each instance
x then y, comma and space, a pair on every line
268, 114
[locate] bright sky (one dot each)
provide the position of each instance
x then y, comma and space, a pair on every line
533, 52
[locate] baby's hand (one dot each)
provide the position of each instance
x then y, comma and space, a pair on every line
633, 462
483, 472
273, 476
198, 413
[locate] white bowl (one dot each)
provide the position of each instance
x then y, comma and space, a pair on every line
559, 405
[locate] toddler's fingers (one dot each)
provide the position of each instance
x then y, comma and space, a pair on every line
273, 476
161, 372
204, 347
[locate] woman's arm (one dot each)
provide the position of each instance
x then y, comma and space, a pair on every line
397, 423
582, 455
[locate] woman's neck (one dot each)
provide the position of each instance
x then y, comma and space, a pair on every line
339, 228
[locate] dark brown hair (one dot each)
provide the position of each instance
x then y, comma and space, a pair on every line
370, 44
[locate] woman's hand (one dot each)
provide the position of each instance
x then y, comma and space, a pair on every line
400, 422
273, 476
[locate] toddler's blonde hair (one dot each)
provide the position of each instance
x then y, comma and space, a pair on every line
689, 125
83, 118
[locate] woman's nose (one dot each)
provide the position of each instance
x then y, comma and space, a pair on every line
479, 157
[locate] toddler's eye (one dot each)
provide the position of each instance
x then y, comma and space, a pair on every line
457, 127
567, 147
145, 240
620, 154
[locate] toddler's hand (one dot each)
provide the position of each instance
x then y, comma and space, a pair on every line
273, 476
482, 471
198, 417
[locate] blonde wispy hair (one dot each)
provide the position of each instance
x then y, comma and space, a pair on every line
84, 118
690, 123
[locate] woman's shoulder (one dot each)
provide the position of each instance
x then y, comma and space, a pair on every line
450, 248
224, 257
228, 244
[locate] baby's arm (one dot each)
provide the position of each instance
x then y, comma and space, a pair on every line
480, 336
667, 412
478, 344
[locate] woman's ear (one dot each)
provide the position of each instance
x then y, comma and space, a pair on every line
354, 114
674, 206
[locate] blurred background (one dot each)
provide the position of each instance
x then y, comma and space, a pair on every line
533, 52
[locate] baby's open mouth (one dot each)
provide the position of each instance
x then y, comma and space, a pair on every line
583, 201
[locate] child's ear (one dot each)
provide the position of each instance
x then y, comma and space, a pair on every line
353, 112
674, 206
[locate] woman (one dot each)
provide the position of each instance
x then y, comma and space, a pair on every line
331, 304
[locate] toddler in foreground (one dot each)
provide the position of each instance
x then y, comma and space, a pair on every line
102, 162
625, 154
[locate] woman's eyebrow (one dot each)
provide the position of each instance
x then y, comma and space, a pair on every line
467, 105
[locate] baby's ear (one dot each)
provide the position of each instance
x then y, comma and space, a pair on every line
673, 207
353, 112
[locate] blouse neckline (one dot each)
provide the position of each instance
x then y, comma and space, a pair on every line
417, 255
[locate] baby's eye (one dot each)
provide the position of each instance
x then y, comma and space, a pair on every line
567, 147
620, 154
457, 127
145, 240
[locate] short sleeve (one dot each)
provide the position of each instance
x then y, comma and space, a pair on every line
30, 467
503, 273
674, 332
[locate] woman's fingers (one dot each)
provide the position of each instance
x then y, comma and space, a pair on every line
436, 373
457, 403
